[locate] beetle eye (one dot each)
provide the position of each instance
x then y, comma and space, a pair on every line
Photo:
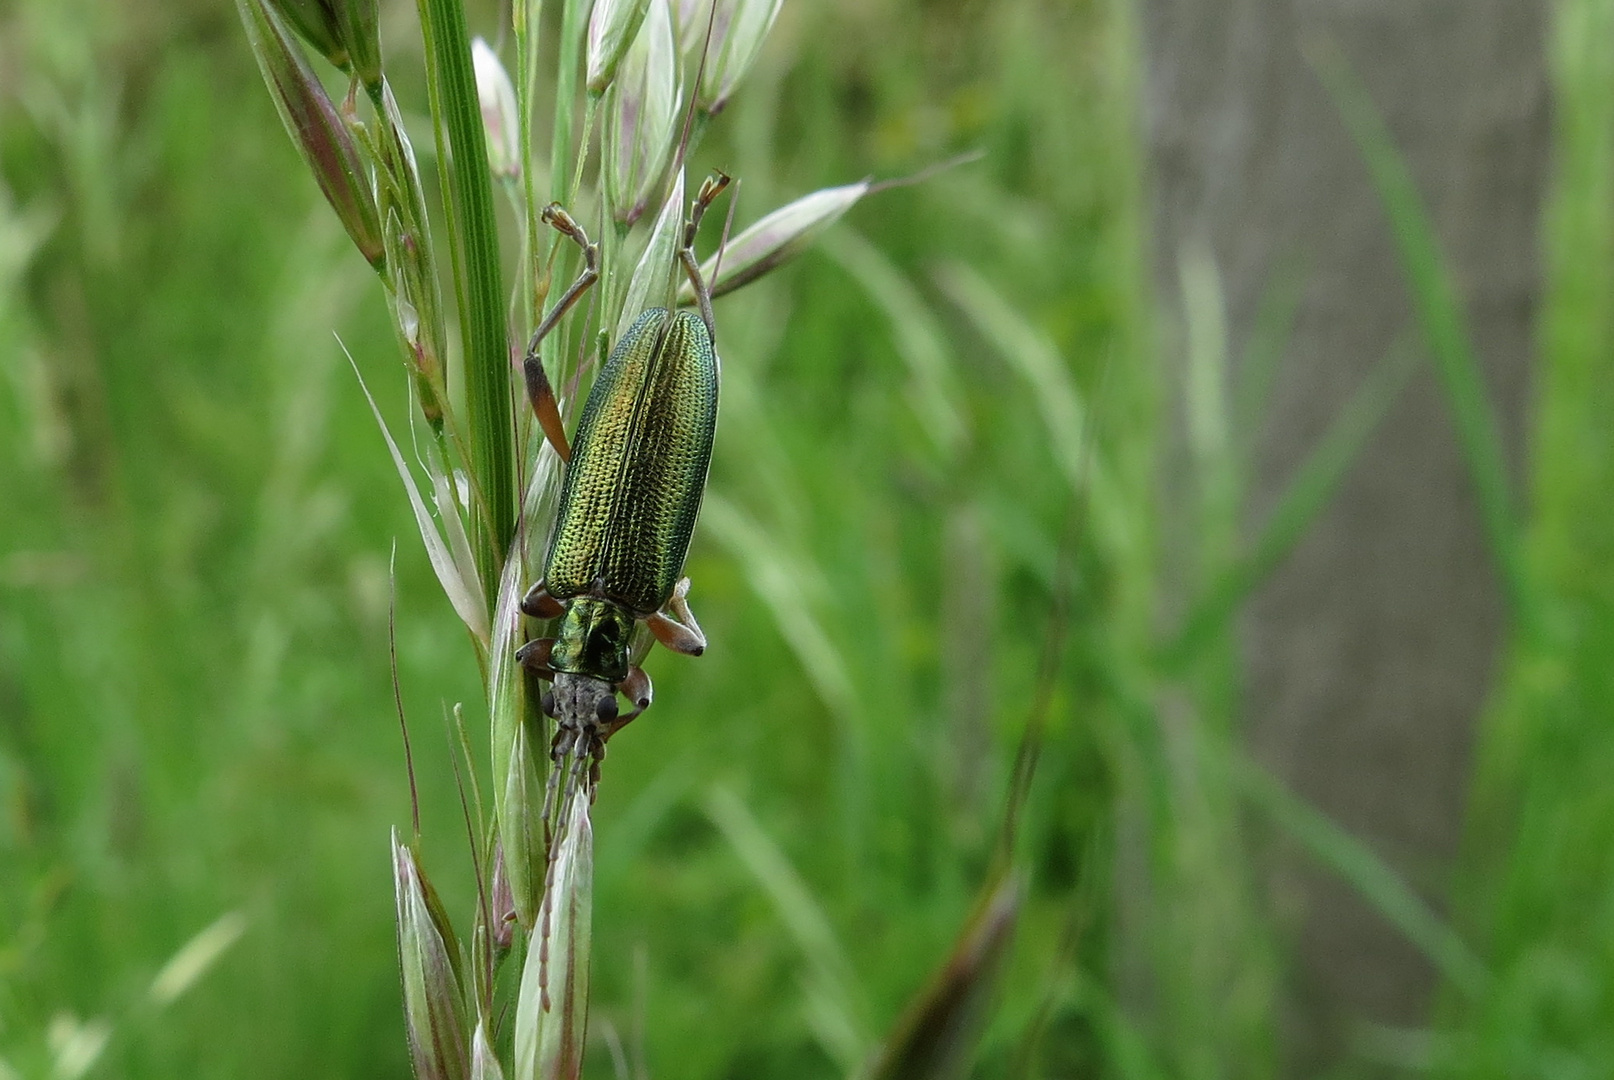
605, 708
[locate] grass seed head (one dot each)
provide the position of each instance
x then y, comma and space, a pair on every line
316, 127
316, 23
433, 1003
612, 26
738, 31
360, 24
642, 120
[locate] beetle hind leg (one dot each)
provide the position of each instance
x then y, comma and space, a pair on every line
675, 626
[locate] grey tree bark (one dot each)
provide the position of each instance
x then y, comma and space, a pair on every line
1369, 653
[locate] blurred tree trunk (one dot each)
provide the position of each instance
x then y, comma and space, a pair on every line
1367, 655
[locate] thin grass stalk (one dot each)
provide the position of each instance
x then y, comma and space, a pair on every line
574, 20
1314, 484
561, 262
473, 232
527, 17
1440, 316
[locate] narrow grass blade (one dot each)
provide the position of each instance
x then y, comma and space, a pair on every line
1205, 374
777, 579
76, 1045
1359, 867
1029, 353
919, 338
831, 982
196, 957
1313, 486
936, 1037
1440, 316
462, 585
1263, 352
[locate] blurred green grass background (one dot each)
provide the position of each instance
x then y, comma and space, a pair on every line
195, 707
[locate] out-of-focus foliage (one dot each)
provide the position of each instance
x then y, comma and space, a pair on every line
195, 709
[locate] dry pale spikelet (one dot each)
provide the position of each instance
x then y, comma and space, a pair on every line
777, 238
651, 279
499, 118
738, 30
552, 1005
642, 119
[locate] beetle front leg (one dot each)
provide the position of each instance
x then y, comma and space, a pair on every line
711, 188
534, 656
636, 688
675, 626
539, 391
540, 605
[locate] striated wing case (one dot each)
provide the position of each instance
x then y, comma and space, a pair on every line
638, 469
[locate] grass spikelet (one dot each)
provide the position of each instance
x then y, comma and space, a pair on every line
433, 1000
552, 1009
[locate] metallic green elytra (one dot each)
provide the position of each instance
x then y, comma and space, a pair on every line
633, 490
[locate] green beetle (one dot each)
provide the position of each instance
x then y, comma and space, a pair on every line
634, 479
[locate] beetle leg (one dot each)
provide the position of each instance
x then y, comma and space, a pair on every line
711, 188
636, 688
540, 605
539, 392
534, 656
675, 626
